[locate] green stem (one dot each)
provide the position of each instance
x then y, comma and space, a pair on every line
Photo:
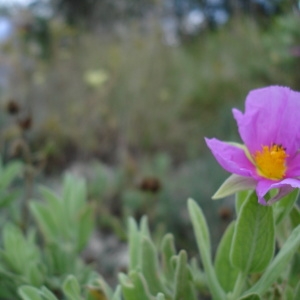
238, 287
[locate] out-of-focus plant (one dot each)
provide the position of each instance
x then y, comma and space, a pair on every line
147, 278
72, 290
8, 173
66, 223
20, 261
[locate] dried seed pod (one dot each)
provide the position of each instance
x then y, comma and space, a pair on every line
150, 184
12, 107
225, 213
25, 123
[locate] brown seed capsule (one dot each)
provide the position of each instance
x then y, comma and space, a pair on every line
150, 184
25, 123
12, 107
225, 213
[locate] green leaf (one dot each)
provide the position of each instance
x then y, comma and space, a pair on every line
29, 293
47, 294
117, 294
289, 293
254, 237
183, 288
181, 277
85, 227
234, 184
295, 216
160, 297
145, 227
297, 292
9, 173
279, 264
149, 266
45, 220
226, 273
6, 198
283, 207
135, 287
250, 297
168, 251
294, 270
240, 198
203, 241
134, 244
71, 288
20, 253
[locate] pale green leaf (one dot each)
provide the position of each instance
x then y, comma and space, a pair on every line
283, 207
203, 241
279, 264
9, 173
226, 273
29, 293
297, 292
240, 198
160, 296
250, 297
134, 245
168, 251
149, 266
48, 294
135, 287
71, 288
234, 184
254, 237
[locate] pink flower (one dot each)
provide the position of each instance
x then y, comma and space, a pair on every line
270, 130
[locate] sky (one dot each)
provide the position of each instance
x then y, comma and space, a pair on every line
14, 2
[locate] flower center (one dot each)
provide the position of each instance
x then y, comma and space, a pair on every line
271, 161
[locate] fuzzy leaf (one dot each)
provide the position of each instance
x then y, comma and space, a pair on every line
250, 297
295, 216
254, 237
149, 266
168, 251
9, 173
160, 297
145, 227
134, 244
226, 273
29, 293
283, 207
71, 288
240, 198
203, 241
117, 294
85, 226
297, 292
45, 220
233, 184
135, 287
279, 264
182, 285
47, 294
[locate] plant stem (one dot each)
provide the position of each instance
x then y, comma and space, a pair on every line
238, 287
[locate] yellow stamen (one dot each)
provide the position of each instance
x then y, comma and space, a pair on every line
271, 161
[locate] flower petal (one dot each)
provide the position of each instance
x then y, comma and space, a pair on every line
232, 158
285, 186
271, 115
293, 166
